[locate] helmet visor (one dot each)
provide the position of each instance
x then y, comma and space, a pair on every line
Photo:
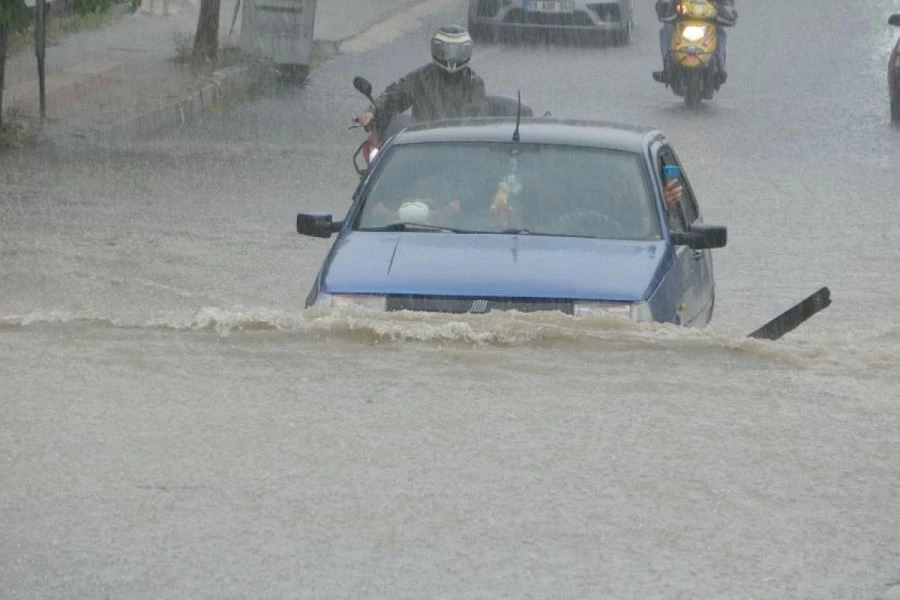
452, 53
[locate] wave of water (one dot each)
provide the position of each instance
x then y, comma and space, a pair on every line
878, 352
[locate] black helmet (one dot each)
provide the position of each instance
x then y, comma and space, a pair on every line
451, 48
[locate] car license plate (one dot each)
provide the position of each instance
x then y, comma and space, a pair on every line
550, 6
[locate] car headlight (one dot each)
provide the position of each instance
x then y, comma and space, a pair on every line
638, 312
694, 33
345, 300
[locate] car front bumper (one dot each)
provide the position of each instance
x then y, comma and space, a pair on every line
586, 16
635, 311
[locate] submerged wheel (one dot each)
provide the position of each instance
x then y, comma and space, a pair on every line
712, 306
692, 89
692, 97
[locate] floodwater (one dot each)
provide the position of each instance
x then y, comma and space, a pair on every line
176, 425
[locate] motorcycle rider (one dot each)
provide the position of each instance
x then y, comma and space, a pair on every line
665, 12
438, 90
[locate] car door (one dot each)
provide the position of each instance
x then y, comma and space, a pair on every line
703, 262
693, 268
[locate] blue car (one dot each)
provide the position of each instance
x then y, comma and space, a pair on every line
493, 214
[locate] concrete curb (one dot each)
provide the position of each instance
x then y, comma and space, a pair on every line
230, 82
224, 83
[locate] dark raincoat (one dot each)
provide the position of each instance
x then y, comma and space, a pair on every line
432, 93
665, 10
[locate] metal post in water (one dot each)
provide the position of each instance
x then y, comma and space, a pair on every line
40, 46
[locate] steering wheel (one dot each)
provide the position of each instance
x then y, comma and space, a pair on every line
588, 222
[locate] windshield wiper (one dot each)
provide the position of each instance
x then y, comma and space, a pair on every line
405, 226
414, 227
515, 231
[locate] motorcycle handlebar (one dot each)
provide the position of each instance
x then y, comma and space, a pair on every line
357, 124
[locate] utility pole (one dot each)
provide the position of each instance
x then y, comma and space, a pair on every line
40, 46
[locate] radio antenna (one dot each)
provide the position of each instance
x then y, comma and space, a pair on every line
518, 117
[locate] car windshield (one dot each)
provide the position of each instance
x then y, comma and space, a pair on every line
512, 188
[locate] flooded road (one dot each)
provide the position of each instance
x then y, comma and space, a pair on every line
175, 425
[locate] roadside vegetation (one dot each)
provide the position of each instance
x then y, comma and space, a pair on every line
17, 35
14, 17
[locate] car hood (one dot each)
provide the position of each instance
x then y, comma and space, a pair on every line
493, 265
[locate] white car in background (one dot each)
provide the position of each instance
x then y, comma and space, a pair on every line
612, 19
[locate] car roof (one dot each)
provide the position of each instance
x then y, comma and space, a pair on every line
570, 132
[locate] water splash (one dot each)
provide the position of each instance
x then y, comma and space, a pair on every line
494, 329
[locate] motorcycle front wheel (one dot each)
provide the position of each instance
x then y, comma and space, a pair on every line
693, 88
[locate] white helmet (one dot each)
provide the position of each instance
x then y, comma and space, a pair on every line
414, 211
451, 48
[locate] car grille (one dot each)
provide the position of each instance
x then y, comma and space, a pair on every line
576, 19
459, 305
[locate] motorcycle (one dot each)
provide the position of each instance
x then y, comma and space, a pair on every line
894, 74
691, 65
380, 130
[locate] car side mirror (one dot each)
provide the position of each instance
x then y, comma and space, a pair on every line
894, 19
317, 225
702, 237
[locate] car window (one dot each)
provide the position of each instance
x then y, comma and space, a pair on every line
677, 218
689, 202
691, 214
494, 187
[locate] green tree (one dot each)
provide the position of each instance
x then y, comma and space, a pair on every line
13, 17
88, 7
206, 40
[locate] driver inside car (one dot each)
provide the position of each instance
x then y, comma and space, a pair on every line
607, 203
623, 200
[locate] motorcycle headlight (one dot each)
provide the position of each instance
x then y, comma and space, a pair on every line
638, 312
345, 300
694, 33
